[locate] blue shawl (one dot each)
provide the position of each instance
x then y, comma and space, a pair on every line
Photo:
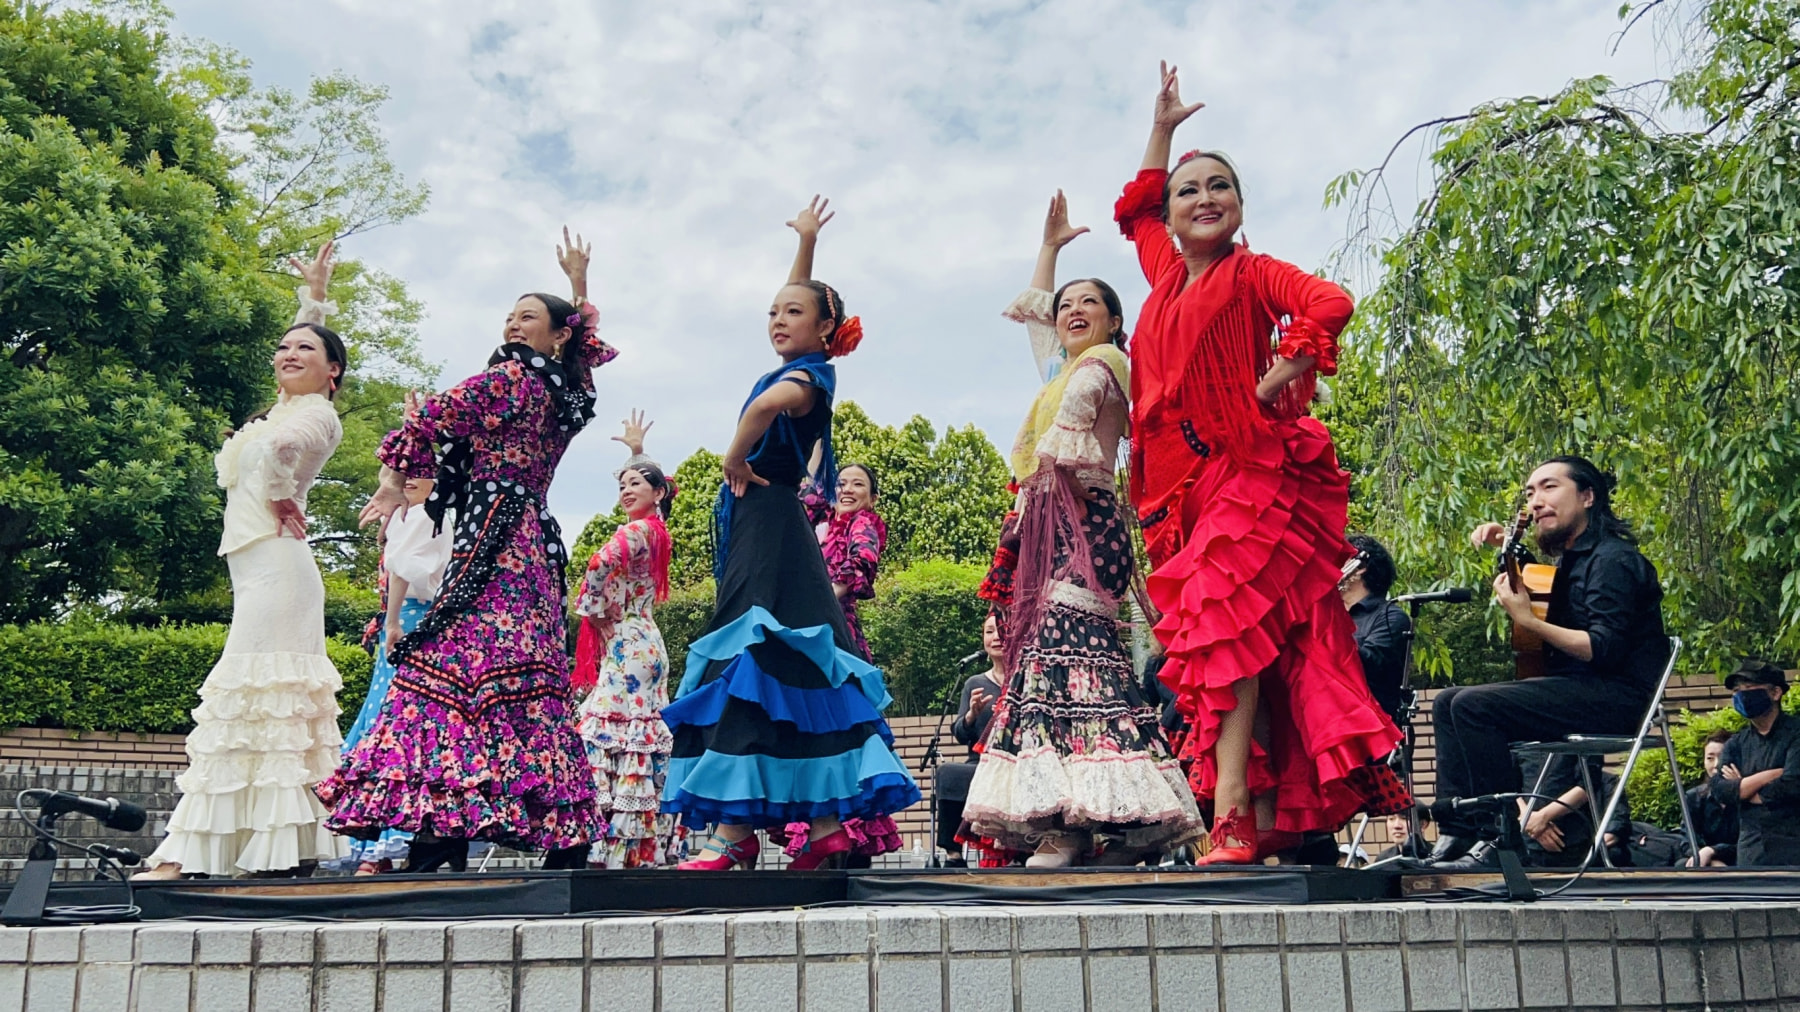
782, 437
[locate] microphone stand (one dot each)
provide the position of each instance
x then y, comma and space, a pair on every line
951, 699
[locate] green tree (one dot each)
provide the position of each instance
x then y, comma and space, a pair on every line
1583, 276
141, 289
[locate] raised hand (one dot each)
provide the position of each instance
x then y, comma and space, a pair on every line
635, 430
573, 256
1170, 112
316, 272
1057, 232
812, 217
413, 402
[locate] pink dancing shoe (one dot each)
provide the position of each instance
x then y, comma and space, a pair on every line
819, 851
741, 854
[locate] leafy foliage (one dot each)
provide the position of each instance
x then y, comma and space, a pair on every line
89, 676
1582, 277
923, 619
1651, 795
141, 288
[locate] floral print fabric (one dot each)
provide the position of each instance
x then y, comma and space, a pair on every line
620, 722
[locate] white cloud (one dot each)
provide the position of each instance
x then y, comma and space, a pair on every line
680, 135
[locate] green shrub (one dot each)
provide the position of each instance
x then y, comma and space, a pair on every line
681, 619
349, 605
90, 676
922, 620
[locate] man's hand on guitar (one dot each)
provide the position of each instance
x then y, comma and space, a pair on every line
1488, 535
1516, 600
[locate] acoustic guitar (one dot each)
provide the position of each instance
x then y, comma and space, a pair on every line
1535, 578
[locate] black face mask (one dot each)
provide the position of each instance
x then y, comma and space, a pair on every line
1752, 703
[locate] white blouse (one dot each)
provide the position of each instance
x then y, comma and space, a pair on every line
416, 555
1094, 416
278, 456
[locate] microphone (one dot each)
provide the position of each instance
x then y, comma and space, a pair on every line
125, 857
971, 659
1455, 595
110, 812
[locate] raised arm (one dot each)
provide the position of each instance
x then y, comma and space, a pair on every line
1139, 210
1170, 113
808, 222
636, 428
1032, 306
314, 306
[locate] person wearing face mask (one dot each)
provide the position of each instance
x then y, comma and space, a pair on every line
475, 740
852, 536
412, 567
1605, 650
1753, 767
266, 727
778, 719
1075, 763
621, 664
1243, 508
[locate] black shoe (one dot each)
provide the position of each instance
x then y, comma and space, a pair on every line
1483, 856
1318, 849
1449, 848
566, 858
956, 862
430, 855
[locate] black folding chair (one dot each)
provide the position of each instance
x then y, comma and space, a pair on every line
1653, 731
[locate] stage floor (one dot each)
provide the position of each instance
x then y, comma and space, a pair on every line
606, 893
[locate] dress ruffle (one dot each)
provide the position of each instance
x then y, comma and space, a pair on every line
1252, 594
1135, 795
1304, 337
265, 731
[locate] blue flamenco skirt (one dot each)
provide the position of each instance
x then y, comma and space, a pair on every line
393, 844
777, 721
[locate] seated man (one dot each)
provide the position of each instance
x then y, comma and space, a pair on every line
1403, 841
1604, 651
1383, 631
1716, 825
1752, 769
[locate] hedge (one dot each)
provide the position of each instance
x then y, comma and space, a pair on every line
91, 676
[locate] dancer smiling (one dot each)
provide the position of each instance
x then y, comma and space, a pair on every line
778, 719
1243, 507
621, 658
1074, 759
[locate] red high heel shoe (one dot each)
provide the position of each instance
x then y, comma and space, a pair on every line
741, 854
819, 851
1234, 825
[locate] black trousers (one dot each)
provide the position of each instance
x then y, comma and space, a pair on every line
1476, 725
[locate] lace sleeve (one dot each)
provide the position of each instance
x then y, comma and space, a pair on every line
300, 447
1032, 308
1070, 443
312, 310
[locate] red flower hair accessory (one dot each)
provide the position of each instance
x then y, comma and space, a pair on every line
1189, 156
844, 340
669, 483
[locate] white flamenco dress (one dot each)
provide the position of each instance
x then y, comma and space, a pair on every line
266, 728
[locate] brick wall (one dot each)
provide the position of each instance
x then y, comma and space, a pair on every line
51, 747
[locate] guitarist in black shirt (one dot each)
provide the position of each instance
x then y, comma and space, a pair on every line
1604, 649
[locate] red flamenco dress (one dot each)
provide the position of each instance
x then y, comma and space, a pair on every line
1243, 509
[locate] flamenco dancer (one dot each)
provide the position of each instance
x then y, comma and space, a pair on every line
475, 739
266, 727
1074, 757
621, 663
778, 719
412, 568
852, 536
1243, 508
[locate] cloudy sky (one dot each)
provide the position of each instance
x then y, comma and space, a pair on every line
681, 134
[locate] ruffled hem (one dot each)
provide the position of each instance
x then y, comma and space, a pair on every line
1304, 337
224, 773
1070, 449
1012, 797
1143, 197
1252, 594
811, 711
611, 734
247, 830
365, 808
1031, 306
869, 837
816, 643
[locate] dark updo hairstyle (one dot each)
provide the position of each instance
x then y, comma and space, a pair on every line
1107, 295
874, 483
831, 304
659, 482
1217, 156
1588, 478
334, 355
561, 312
1378, 571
